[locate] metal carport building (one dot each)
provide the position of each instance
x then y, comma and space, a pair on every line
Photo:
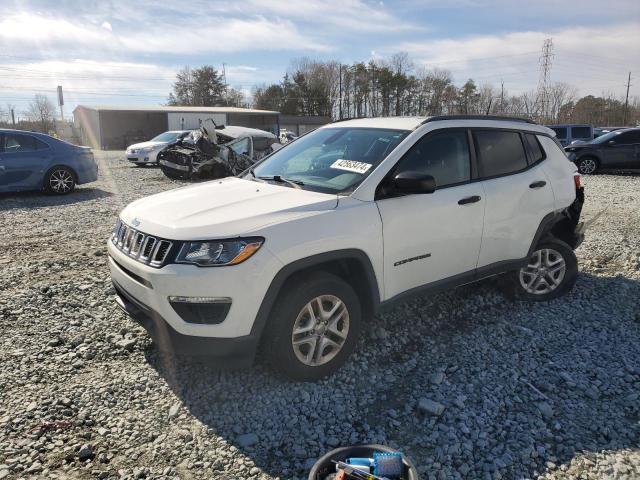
115, 127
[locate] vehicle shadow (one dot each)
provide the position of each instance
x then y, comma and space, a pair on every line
527, 387
10, 201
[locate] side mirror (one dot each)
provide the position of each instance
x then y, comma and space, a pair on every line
414, 182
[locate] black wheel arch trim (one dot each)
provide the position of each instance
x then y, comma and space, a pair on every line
298, 266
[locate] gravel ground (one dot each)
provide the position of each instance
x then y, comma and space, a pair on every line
467, 383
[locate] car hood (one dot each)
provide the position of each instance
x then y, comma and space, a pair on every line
222, 208
146, 144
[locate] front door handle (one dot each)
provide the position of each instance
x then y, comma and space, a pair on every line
473, 199
538, 184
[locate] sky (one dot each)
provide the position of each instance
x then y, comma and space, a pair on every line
121, 52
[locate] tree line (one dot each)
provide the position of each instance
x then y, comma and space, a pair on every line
396, 87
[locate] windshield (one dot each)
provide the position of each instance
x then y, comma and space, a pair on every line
607, 136
331, 160
166, 137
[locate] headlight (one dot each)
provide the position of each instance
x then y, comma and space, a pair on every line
217, 253
146, 149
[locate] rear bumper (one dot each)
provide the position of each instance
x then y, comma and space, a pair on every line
240, 350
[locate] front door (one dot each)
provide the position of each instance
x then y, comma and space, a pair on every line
622, 150
23, 159
431, 237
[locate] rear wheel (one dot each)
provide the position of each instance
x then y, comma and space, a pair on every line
60, 181
314, 327
551, 272
587, 165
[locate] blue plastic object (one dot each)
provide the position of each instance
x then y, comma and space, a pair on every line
387, 464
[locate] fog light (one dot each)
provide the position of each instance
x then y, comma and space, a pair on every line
201, 310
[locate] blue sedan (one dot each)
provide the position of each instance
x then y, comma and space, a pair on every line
34, 161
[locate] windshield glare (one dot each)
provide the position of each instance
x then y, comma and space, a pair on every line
332, 160
166, 137
606, 137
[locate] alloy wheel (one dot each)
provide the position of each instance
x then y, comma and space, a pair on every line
61, 181
320, 330
544, 273
587, 165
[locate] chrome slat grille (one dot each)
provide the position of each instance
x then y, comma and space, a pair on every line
144, 248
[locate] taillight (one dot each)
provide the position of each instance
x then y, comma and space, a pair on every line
577, 182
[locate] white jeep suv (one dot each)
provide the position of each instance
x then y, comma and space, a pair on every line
297, 254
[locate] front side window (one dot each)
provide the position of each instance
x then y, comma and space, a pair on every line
628, 138
443, 155
331, 160
16, 142
499, 152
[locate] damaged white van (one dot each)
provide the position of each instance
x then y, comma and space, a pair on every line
296, 254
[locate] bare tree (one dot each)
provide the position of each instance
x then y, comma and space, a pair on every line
41, 111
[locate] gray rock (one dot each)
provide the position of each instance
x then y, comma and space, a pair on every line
85, 452
174, 410
246, 440
430, 407
545, 409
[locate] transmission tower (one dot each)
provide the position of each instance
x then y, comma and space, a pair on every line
545, 76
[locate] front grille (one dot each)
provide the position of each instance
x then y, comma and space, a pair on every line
147, 249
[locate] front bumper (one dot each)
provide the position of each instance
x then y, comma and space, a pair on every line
149, 289
240, 349
142, 157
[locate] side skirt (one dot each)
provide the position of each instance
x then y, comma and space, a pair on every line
452, 282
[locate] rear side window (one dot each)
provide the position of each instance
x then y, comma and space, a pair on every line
580, 132
443, 154
499, 152
561, 132
17, 142
535, 149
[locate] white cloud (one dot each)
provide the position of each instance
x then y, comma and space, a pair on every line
107, 26
187, 34
594, 59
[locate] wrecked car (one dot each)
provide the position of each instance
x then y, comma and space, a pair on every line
215, 151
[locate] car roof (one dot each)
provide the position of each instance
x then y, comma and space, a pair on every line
15, 130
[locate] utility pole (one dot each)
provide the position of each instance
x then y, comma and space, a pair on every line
626, 102
224, 76
13, 117
545, 74
340, 95
501, 96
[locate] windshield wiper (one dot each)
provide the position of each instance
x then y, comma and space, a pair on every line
279, 179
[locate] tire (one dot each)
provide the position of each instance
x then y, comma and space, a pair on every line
322, 346
60, 181
588, 165
551, 272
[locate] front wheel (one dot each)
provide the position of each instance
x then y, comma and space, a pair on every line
314, 327
587, 165
551, 272
60, 181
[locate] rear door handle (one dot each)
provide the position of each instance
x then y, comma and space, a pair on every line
473, 199
538, 184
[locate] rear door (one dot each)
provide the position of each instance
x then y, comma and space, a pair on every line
24, 159
518, 194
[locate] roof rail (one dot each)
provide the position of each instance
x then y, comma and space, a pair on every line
476, 117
